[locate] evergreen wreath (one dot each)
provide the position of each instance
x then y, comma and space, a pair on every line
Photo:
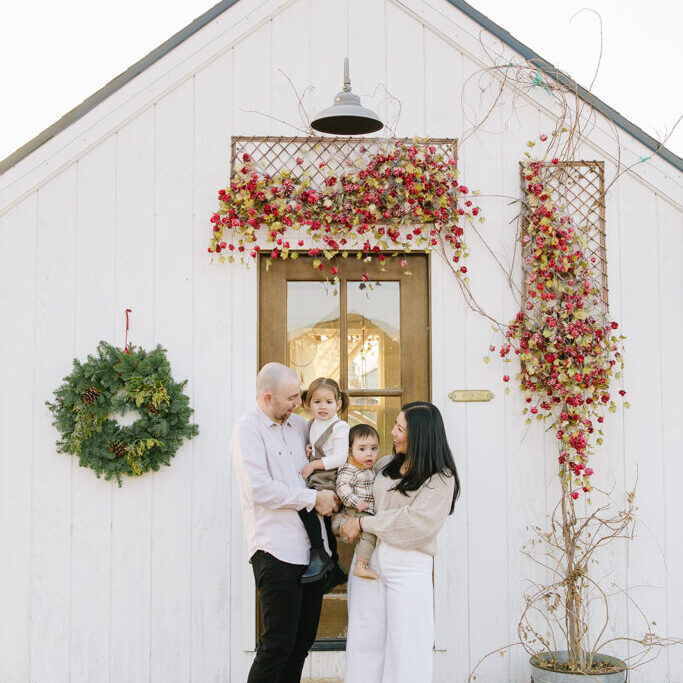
115, 381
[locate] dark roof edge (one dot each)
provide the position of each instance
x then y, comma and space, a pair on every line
114, 85
175, 40
554, 73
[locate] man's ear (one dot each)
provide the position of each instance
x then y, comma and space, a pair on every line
267, 397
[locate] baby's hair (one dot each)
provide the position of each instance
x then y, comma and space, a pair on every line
362, 431
325, 383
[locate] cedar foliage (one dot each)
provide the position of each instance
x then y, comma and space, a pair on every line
114, 381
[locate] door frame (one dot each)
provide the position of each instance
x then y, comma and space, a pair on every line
272, 318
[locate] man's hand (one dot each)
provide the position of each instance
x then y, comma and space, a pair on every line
309, 450
326, 502
362, 506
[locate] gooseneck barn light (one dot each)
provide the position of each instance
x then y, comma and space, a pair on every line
346, 116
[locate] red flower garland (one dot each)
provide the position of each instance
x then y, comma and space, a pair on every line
403, 198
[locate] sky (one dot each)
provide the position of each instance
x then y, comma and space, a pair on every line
53, 55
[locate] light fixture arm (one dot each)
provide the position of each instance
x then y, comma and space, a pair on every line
347, 78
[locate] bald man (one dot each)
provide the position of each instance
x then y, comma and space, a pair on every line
268, 454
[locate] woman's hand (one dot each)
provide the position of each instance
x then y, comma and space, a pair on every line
350, 530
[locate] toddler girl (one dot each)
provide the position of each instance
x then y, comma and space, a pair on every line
354, 487
328, 443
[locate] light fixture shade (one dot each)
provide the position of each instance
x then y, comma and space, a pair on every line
346, 116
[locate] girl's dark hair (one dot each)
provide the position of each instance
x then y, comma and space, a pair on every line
361, 431
427, 452
325, 383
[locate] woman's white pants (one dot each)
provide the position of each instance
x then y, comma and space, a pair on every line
391, 619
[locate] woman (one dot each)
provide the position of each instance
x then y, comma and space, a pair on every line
391, 620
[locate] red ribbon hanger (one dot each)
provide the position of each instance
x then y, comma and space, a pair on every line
125, 350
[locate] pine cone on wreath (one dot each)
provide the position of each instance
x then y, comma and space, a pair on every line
152, 409
90, 395
118, 449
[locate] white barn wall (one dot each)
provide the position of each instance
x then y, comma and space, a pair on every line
50, 561
213, 324
91, 508
131, 516
150, 581
17, 247
670, 246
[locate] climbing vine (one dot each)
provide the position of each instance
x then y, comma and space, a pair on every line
569, 349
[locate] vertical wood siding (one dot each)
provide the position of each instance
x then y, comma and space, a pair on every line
150, 582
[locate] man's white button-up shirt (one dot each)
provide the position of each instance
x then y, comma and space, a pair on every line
268, 458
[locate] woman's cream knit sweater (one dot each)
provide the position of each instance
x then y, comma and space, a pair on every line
409, 521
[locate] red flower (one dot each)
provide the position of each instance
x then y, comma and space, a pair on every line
543, 138
557, 161
506, 378
575, 494
463, 269
333, 270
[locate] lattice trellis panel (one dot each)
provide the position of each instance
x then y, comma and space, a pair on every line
581, 187
273, 154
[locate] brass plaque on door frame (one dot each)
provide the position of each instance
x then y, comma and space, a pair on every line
461, 395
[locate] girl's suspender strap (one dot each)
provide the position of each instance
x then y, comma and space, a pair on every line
318, 446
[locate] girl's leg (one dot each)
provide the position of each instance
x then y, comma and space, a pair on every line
365, 642
309, 519
409, 617
320, 561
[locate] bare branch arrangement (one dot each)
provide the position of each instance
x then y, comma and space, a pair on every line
565, 619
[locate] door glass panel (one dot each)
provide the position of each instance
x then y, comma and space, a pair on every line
313, 330
378, 411
373, 329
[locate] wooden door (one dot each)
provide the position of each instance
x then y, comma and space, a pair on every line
372, 337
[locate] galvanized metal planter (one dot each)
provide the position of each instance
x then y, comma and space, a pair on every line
540, 675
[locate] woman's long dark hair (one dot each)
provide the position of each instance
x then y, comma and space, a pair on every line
427, 453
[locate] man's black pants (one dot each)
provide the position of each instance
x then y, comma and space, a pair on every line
291, 611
